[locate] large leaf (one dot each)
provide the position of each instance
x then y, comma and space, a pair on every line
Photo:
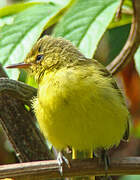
6, 20
85, 23
137, 60
8, 13
116, 40
15, 8
60, 2
16, 39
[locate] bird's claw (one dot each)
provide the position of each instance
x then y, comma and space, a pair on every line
106, 160
62, 159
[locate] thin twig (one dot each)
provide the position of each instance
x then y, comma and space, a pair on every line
50, 169
132, 43
119, 10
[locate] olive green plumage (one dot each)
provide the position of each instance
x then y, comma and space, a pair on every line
78, 103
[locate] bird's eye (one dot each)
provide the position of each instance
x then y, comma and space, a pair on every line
39, 58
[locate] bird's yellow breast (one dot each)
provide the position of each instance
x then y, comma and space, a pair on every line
78, 107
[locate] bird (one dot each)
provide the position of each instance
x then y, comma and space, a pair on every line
79, 103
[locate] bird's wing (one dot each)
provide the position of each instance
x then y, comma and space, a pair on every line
106, 73
114, 84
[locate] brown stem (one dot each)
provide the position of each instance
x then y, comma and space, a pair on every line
132, 43
19, 125
50, 169
119, 10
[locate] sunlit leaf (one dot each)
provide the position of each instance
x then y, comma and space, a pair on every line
15, 8
85, 23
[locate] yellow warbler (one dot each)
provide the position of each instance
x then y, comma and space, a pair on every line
78, 103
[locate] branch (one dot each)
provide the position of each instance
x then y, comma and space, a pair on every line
132, 43
19, 124
119, 10
18, 89
50, 169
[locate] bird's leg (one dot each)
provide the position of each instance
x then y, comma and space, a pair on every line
62, 159
106, 160
94, 155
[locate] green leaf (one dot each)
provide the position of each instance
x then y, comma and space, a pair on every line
125, 19
130, 177
116, 40
15, 8
6, 20
60, 2
128, 3
85, 23
137, 60
16, 39
8, 12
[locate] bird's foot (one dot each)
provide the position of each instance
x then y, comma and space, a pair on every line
61, 160
106, 160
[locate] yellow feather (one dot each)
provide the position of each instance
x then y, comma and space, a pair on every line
78, 103
78, 107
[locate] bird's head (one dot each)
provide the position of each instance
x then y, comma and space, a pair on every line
49, 54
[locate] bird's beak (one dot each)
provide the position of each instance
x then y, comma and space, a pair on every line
21, 65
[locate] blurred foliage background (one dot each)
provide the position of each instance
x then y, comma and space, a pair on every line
92, 27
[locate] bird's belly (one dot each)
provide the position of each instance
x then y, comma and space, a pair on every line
82, 123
